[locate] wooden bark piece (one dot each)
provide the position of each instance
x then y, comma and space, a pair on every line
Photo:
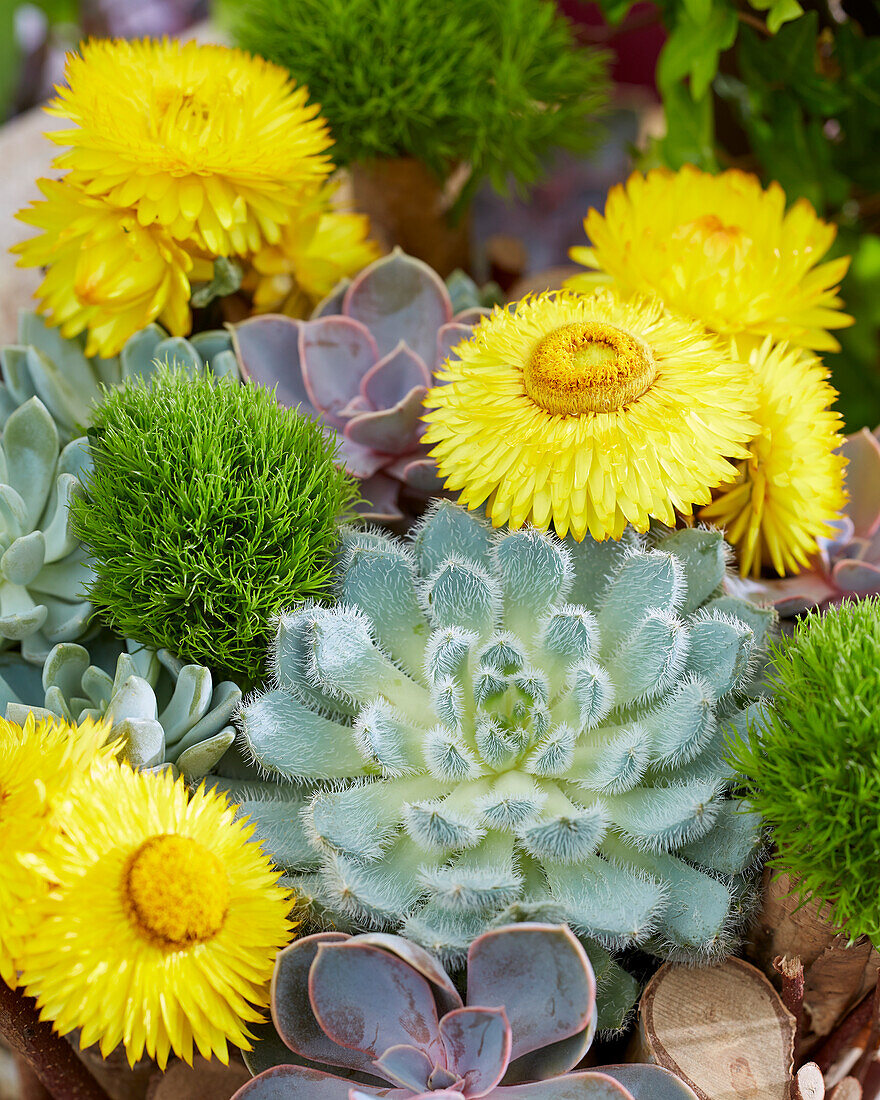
409, 208
723, 1029
837, 973
809, 1084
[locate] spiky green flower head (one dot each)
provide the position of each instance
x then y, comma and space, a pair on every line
209, 509
811, 765
506, 727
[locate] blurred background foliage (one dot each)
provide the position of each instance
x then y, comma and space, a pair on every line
789, 89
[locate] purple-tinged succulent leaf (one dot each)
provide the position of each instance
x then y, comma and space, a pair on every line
292, 1011
445, 993
400, 298
394, 377
446, 1094
862, 451
406, 1066
449, 337
268, 352
472, 316
557, 1058
300, 1083
477, 1044
858, 578
367, 999
646, 1082
361, 462
379, 499
332, 304
542, 977
336, 353
419, 474
574, 1086
391, 431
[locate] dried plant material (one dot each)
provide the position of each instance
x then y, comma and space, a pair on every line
201, 1081
724, 1030
791, 971
808, 1083
848, 1089
837, 973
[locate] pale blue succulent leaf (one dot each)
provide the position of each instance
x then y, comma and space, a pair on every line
224, 704
16, 373
97, 685
196, 761
133, 699
65, 579
646, 581
67, 354
704, 557
143, 741
535, 572
20, 682
649, 1082
24, 559
446, 528
361, 820
138, 356
13, 512
68, 398
614, 762
20, 616
225, 365
64, 668
188, 704
650, 659
61, 540
595, 565
720, 651
76, 458
284, 737
608, 901
682, 725
664, 818
276, 813
761, 620
179, 352
8, 405
732, 844
30, 445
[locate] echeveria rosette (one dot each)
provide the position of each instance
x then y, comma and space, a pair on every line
363, 365
164, 711
43, 567
848, 565
42, 363
382, 1011
494, 728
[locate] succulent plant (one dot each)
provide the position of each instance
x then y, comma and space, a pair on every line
43, 567
848, 565
167, 712
509, 728
46, 365
362, 365
382, 1010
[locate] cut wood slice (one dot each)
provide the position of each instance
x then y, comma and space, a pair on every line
722, 1029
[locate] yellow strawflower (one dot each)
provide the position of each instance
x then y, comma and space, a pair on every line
205, 141
106, 273
791, 484
163, 931
319, 247
719, 249
590, 413
39, 763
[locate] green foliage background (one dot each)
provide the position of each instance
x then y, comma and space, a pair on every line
794, 95
493, 83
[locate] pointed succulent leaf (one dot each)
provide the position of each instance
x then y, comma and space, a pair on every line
30, 446
862, 451
66, 354
704, 556
198, 760
477, 1041
75, 458
664, 818
224, 703
595, 565
391, 431
19, 385
285, 737
446, 528
445, 993
24, 559
290, 660
301, 1083
542, 977
590, 1085
191, 698
336, 355
406, 1066
399, 298
61, 539
360, 820
535, 573
268, 353
449, 336
720, 650
647, 581
13, 511
463, 595
608, 901
369, 1000
732, 844
682, 725
393, 377
650, 658
418, 474
67, 398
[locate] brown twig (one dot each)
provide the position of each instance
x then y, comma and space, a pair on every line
53, 1060
864, 1063
837, 1042
791, 970
847, 1089
754, 21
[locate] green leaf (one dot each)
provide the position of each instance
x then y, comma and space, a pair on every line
778, 12
690, 130
698, 10
8, 58
615, 11
693, 49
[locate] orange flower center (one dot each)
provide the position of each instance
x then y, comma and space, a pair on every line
588, 367
176, 892
719, 243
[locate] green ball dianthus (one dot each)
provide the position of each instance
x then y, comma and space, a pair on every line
813, 769
210, 508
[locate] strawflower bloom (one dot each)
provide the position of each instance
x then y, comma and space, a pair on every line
39, 763
590, 413
791, 484
319, 247
206, 141
106, 273
719, 249
163, 932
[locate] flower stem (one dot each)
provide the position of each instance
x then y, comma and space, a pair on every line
53, 1060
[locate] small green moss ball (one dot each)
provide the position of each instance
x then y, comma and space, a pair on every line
813, 770
210, 509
